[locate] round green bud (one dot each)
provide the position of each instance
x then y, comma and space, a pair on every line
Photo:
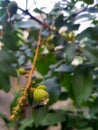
22, 71
41, 87
40, 95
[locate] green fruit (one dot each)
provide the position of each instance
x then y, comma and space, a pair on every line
40, 95
22, 71
12, 8
41, 87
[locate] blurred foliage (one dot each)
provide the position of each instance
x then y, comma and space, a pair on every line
67, 62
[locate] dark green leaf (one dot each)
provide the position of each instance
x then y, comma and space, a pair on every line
64, 96
4, 82
59, 21
89, 1
94, 106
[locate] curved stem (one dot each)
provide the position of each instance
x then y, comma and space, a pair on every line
34, 61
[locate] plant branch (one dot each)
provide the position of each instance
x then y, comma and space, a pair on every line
34, 18
34, 61
24, 92
37, 20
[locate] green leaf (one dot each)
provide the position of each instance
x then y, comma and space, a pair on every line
26, 123
27, 24
7, 59
53, 118
38, 115
91, 53
82, 84
12, 39
70, 52
65, 80
7, 56
43, 63
64, 68
89, 1
4, 82
5, 119
94, 107
59, 21
15, 101
6, 69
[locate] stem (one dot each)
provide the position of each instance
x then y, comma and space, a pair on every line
34, 61
37, 20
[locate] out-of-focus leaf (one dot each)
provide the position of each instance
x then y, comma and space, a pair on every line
27, 24
64, 96
60, 21
64, 68
53, 118
39, 115
36, 10
6, 62
93, 107
4, 82
65, 80
89, 1
70, 52
12, 39
82, 84
43, 63
5, 119
7, 59
14, 102
53, 87
7, 69
3, 20
28, 122
8, 56
91, 53
84, 16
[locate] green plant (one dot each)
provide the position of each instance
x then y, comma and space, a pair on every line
65, 59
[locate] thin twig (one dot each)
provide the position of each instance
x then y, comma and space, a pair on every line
37, 20
34, 61
34, 18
